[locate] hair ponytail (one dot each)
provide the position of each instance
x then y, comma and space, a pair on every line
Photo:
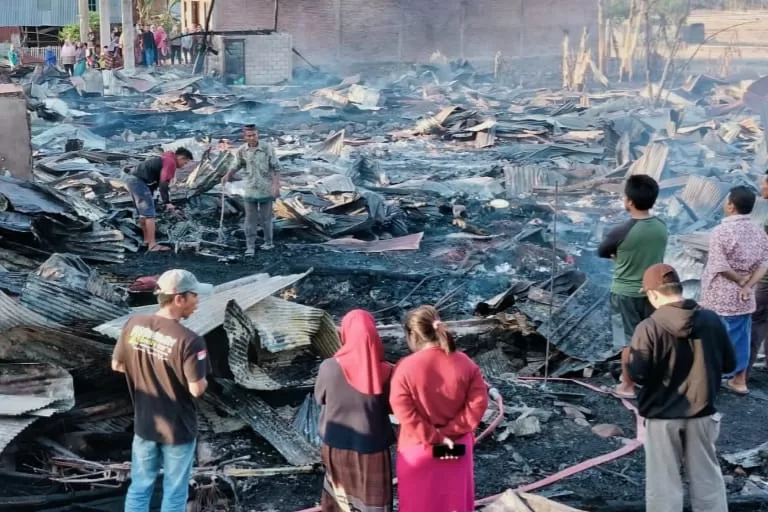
444, 338
425, 323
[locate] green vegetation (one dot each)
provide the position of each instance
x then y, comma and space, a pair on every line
72, 32
619, 9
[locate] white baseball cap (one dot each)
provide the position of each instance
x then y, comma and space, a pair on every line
177, 281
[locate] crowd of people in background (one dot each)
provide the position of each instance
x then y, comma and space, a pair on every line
153, 46
156, 47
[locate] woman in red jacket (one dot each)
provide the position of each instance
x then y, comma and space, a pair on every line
438, 396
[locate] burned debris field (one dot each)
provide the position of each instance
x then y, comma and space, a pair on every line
432, 184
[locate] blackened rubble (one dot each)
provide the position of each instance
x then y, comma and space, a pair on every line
437, 186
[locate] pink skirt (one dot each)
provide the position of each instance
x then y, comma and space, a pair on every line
426, 484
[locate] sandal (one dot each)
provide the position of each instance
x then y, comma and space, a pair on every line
158, 248
624, 394
736, 389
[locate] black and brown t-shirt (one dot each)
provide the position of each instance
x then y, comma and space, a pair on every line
161, 358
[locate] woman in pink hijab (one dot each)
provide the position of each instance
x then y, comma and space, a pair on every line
353, 389
161, 41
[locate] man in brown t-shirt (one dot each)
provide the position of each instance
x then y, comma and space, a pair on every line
165, 365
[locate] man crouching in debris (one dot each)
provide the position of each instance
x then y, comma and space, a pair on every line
166, 366
634, 246
262, 186
678, 355
142, 181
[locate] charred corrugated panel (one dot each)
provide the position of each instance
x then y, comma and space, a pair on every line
687, 263
704, 196
12, 282
265, 421
11, 427
695, 241
307, 420
44, 386
210, 312
523, 179
581, 327
28, 392
653, 161
243, 336
284, 325
17, 222
73, 272
85, 359
13, 314
28, 197
67, 306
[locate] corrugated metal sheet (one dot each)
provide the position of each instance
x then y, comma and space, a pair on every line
210, 313
523, 179
284, 325
241, 333
85, 359
27, 197
704, 196
30, 391
264, 420
581, 327
401, 243
10, 427
68, 306
653, 161
35, 13
688, 267
13, 314
12, 282
697, 241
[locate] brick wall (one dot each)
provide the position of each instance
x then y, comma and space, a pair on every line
354, 31
268, 58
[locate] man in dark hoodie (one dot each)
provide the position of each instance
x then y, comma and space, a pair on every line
679, 355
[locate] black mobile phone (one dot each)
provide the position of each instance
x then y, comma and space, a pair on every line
440, 451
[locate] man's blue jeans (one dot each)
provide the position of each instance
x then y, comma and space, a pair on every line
146, 459
150, 56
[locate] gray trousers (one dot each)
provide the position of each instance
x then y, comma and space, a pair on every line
670, 444
258, 214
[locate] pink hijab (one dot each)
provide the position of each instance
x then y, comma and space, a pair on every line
361, 355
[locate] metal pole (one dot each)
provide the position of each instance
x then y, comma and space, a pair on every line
82, 11
553, 273
105, 32
277, 10
129, 34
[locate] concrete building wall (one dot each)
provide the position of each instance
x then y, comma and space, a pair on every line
268, 57
15, 136
354, 31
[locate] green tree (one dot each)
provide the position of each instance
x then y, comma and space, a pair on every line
72, 32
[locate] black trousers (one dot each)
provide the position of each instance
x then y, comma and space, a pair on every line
759, 323
176, 54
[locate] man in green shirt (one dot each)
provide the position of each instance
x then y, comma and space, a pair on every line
634, 246
262, 186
